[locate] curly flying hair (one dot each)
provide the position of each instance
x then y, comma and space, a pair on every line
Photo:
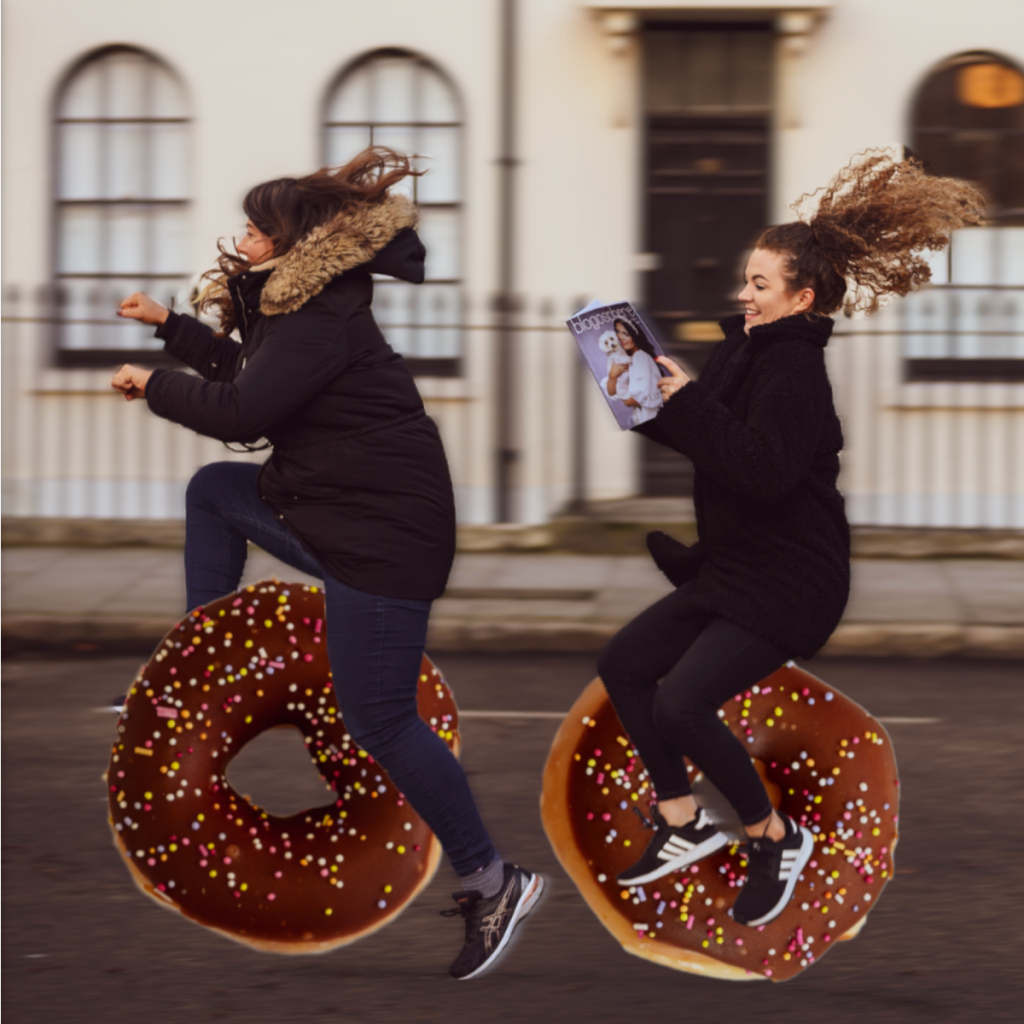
865, 238
287, 209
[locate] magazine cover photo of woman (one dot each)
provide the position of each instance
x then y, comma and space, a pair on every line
635, 383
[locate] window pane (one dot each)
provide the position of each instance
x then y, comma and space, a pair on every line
438, 314
127, 160
394, 89
127, 84
351, 101
439, 230
1011, 256
168, 161
420, 320
167, 96
79, 171
925, 318
441, 182
79, 233
127, 238
170, 240
437, 100
393, 309
81, 300
939, 262
401, 139
404, 141
83, 96
344, 143
973, 256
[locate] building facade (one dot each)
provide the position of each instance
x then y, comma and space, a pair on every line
574, 150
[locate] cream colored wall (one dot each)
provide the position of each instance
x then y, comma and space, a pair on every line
862, 67
257, 75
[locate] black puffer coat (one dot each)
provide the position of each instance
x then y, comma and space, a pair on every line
358, 473
773, 553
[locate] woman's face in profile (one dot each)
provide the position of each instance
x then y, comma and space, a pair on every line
255, 246
625, 339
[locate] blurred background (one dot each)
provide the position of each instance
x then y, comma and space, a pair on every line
575, 151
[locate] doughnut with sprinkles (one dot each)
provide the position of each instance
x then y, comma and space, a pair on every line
824, 760
303, 883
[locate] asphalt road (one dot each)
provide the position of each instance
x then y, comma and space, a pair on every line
80, 943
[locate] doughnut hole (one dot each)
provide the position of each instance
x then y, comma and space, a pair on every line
274, 770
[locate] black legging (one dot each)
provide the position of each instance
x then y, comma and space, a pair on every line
702, 662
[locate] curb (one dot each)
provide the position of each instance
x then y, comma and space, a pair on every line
854, 639
596, 534
924, 640
84, 629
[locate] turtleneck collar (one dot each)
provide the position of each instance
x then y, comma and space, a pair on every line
815, 330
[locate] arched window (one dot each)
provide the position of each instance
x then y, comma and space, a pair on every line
122, 154
396, 98
968, 122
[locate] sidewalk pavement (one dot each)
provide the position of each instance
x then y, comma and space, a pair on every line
503, 601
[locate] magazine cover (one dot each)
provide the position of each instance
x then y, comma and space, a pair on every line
620, 351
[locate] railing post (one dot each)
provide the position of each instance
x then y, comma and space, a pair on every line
580, 383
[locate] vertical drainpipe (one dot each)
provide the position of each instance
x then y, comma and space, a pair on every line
505, 301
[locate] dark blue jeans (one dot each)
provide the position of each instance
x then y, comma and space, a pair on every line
374, 643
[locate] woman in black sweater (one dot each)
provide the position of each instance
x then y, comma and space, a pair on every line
769, 577
356, 490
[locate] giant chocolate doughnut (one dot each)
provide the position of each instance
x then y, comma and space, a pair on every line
299, 884
825, 761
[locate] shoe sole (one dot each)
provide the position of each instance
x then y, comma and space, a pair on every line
806, 849
684, 860
527, 903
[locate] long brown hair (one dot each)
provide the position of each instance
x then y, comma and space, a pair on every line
867, 233
287, 209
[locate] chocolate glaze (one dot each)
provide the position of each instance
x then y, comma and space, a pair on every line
302, 883
827, 763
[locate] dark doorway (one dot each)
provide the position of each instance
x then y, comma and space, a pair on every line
707, 110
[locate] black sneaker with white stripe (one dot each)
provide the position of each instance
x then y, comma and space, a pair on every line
773, 869
672, 849
491, 922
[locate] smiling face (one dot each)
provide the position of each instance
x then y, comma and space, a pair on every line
255, 246
766, 295
625, 338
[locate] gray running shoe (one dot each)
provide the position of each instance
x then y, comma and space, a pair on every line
491, 922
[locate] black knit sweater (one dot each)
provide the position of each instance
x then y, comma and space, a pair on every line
773, 553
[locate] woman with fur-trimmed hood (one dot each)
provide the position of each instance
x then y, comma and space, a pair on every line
356, 490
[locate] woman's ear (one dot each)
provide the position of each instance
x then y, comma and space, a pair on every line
804, 300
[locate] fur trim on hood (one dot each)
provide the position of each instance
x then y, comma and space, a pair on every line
351, 239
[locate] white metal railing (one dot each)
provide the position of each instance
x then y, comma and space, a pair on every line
919, 453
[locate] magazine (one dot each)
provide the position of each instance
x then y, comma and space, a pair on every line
620, 351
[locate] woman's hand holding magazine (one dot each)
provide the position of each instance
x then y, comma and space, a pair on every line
678, 378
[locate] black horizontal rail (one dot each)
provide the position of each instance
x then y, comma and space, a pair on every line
141, 201
964, 370
393, 124
124, 120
